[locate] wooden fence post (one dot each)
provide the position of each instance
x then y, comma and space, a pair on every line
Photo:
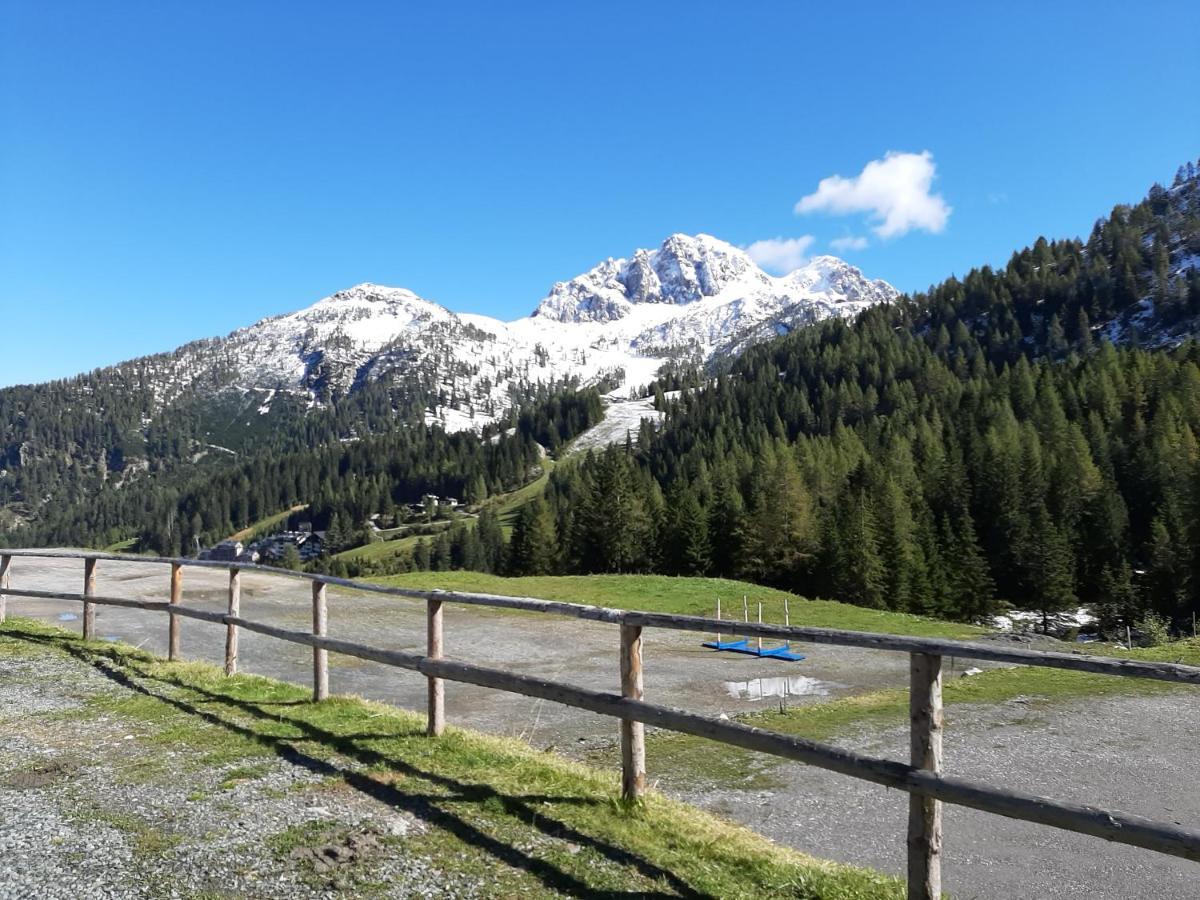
89, 590
437, 688
5, 562
176, 599
320, 655
925, 813
633, 734
231, 631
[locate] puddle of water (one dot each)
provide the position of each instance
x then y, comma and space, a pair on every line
787, 686
67, 617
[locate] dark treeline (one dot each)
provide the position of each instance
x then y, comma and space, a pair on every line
166, 418
1131, 276
68, 440
853, 462
342, 480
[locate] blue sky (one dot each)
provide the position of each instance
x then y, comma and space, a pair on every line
170, 171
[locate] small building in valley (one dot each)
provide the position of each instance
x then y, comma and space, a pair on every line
227, 551
309, 545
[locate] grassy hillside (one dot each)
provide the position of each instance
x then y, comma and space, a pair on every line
267, 525
384, 549
505, 506
525, 823
687, 596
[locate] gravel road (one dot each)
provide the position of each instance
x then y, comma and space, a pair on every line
678, 670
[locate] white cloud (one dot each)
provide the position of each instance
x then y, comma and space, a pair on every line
780, 254
849, 242
894, 190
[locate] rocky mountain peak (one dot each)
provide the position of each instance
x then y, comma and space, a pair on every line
831, 275
684, 269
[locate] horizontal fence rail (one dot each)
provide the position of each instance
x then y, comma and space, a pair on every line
921, 778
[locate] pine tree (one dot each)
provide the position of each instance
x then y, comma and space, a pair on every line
613, 530
336, 536
1056, 337
725, 528
476, 491
490, 536
1083, 331
1117, 602
531, 551
1167, 572
969, 586
1047, 567
441, 558
290, 558
420, 555
689, 552
853, 564
778, 534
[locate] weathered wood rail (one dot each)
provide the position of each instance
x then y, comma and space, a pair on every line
921, 777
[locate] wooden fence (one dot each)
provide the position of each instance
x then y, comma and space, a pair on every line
921, 777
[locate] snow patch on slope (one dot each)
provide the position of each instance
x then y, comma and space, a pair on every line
622, 419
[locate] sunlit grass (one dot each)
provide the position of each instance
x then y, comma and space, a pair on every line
688, 596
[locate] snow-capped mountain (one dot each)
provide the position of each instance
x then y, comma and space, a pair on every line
693, 298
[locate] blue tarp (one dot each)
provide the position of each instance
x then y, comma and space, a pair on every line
744, 646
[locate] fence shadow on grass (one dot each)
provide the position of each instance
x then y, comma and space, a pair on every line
528, 809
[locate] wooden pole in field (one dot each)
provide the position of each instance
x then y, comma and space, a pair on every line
718, 619
759, 640
925, 813
231, 631
89, 590
5, 562
436, 720
633, 734
320, 656
176, 599
745, 615
787, 621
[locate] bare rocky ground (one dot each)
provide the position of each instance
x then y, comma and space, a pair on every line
1134, 754
92, 809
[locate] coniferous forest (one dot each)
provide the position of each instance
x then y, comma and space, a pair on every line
1025, 434
937, 456
855, 462
340, 480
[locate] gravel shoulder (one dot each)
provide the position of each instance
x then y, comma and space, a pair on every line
100, 805
1135, 754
